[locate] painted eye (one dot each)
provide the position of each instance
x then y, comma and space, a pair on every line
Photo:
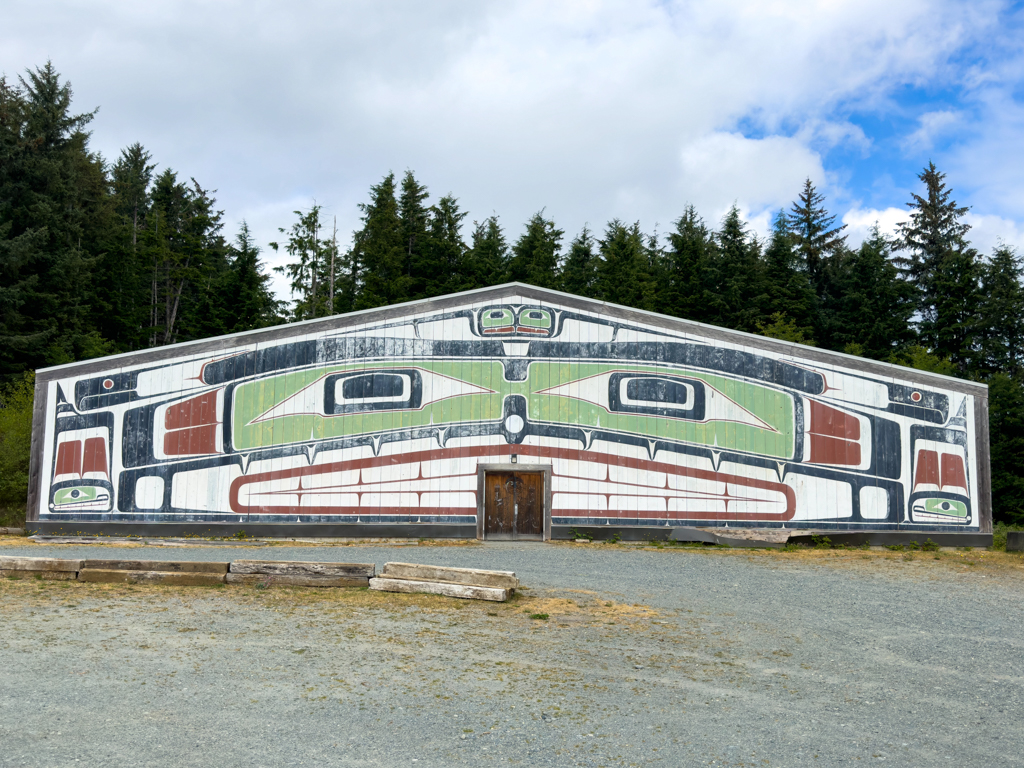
108, 383
75, 493
497, 315
915, 396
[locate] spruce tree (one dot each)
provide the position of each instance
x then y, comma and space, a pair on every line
535, 254
690, 271
1001, 314
623, 269
743, 301
814, 232
1006, 421
578, 274
867, 306
250, 301
379, 250
415, 217
786, 282
935, 258
444, 252
487, 260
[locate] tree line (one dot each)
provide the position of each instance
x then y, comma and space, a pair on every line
100, 257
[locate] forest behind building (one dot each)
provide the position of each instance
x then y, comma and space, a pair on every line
100, 256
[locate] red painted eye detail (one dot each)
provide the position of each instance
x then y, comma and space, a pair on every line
108, 383
915, 396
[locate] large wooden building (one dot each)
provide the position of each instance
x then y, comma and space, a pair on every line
507, 412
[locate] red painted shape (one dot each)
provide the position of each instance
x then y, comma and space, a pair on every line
502, 329
826, 420
953, 474
526, 329
193, 412
95, 459
523, 450
832, 450
927, 468
915, 396
69, 458
191, 442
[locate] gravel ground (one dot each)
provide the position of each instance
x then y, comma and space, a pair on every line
675, 656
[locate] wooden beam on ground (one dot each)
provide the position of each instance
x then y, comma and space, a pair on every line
8, 563
101, 576
297, 568
164, 566
471, 576
464, 591
296, 581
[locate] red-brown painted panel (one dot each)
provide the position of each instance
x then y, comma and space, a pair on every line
95, 458
953, 474
832, 450
927, 468
826, 420
198, 410
69, 458
191, 442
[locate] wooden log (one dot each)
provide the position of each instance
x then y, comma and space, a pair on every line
8, 563
103, 576
45, 575
464, 591
295, 568
471, 576
164, 566
12, 531
296, 581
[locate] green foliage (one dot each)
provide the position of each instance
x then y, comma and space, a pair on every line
15, 444
535, 254
781, 327
1006, 439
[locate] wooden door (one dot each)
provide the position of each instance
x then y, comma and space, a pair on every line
499, 505
513, 505
530, 504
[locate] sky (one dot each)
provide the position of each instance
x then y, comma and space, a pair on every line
588, 110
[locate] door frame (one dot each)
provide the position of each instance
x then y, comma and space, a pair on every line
522, 469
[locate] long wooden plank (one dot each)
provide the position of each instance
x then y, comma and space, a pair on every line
102, 576
463, 591
469, 576
296, 581
163, 566
9, 563
45, 575
298, 568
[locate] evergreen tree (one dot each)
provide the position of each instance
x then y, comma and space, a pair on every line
415, 217
690, 271
814, 232
121, 305
578, 274
187, 255
444, 258
1001, 314
1006, 421
379, 249
487, 260
309, 271
535, 254
54, 210
787, 284
936, 231
251, 303
868, 306
740, 276
623, 273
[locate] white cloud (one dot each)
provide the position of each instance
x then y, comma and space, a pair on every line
593, 108
930, 126
860, 221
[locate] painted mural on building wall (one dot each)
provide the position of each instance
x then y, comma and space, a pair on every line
387, 422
